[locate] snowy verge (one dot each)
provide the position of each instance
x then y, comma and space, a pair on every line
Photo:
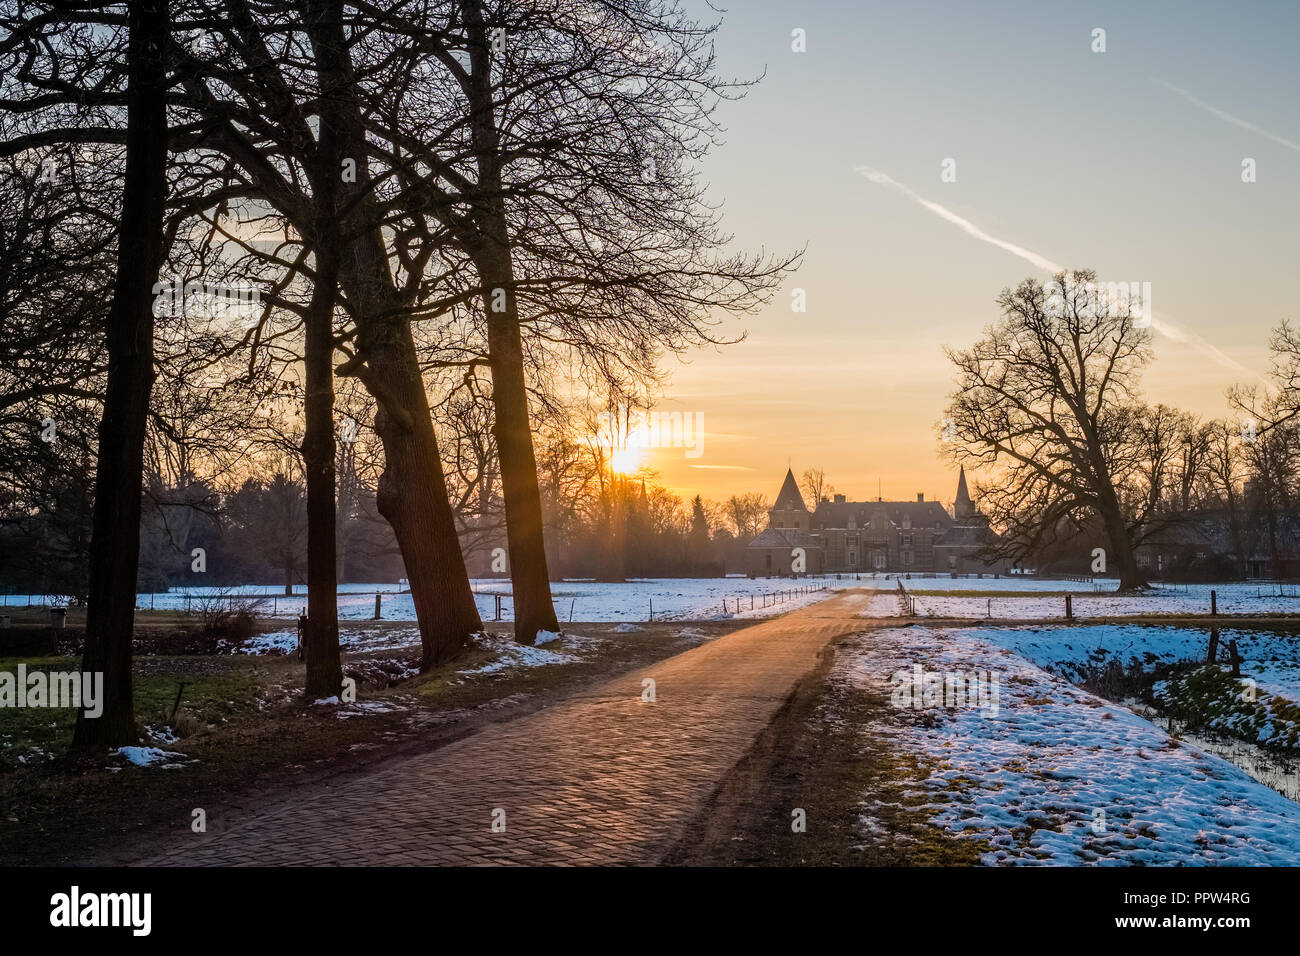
1059, 776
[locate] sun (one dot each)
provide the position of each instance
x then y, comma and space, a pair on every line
625, 461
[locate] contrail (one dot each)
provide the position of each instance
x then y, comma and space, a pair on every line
1171, 331
1229, 118
1163, 325
884, 179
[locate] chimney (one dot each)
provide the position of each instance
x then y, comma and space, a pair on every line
920, 497
839, 499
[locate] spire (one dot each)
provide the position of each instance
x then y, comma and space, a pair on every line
789, 498
963, 507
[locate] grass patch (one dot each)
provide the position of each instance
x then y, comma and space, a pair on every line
1208, 697
214, 693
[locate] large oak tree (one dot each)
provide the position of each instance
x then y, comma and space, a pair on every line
1047, 402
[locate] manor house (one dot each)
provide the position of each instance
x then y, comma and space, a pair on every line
863, 536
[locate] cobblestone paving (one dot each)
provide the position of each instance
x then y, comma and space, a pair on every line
602, 777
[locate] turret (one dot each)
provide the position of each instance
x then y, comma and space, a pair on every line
963, 507
789, 511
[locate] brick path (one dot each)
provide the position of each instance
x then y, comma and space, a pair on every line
599, 778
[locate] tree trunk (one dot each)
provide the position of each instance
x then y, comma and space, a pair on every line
115, 536
412, 493
412, 496
324, 669
1122, 556
530, 579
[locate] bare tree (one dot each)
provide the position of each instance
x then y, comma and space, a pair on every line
58, 218
115, 538
1159, 467
815, 486
748, 513
324, 667
562, 183
1225, 470
1272, 442
255, 103
1046, 401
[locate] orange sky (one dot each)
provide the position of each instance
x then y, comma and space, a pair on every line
1134, 179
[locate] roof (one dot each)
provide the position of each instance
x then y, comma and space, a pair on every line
789, 498
963, 507
836, 514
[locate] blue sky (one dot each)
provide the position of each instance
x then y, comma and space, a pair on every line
1088, 159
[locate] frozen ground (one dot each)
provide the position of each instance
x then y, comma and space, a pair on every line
1269, 658
550, 647
355, 638
1059, 776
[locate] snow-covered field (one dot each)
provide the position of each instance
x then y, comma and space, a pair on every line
1061, 777
696, 599
703, 598
1233, 598
1269, 658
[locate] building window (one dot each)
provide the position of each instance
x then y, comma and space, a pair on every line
907, 540
853, 559
952, 561
907, 559
879, 560
769, 561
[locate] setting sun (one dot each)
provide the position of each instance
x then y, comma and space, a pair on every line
625, 461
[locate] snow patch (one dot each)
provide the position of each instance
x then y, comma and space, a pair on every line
510, 654
147, 756
1061, 777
